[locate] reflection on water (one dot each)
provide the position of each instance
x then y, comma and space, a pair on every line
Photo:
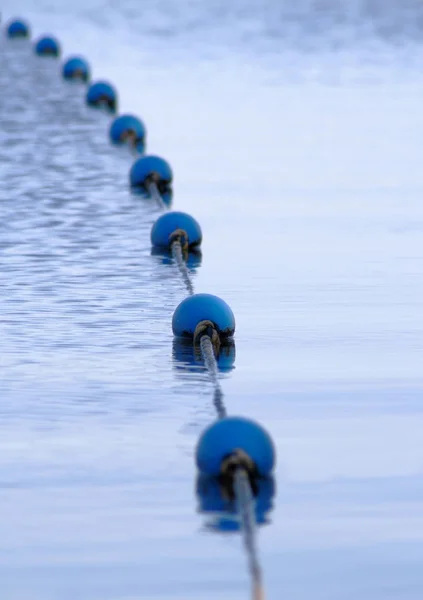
221, 511
193, 259
187, 357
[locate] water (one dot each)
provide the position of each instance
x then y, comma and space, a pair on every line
294, 131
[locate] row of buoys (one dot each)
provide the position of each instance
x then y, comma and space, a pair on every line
234, 455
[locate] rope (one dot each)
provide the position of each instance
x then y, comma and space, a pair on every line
245, 505
177, 253
130, 138
153, 190
207, 351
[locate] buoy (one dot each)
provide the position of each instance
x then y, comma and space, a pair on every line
18, 29
47, 46
127, 129
203, 307
175, 223
102, 95
76, 68
151, 169
225, 437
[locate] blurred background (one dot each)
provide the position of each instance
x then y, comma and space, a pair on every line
294, 130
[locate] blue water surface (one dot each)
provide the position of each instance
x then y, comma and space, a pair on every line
294, 131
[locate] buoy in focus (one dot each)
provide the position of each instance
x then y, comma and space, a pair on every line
151, 169
127, 129
76, 68
102, 95
203, 307
17, 29
229, 436
47, 46
173, 224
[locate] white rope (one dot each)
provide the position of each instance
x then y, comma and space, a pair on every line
245, 505
178, 257
209, 358
153, 190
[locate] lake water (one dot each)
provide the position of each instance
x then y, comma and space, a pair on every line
295, 132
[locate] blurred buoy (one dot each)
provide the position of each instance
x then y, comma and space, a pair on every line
18, 29
102, 95
76, 68
172, 222
203, 307
151, 169
229, 435
127, 129
47, 46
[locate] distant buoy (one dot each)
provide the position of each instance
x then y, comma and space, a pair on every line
151, 169
76, 68
170, 223
127, 129
203, 307
229, 435
47, 46
18, 29
102, 95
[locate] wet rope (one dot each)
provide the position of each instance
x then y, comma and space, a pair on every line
179, 248
209, 344
238, 477
245, 505
153, 190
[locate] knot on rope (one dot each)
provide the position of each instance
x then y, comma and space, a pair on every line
105, 100
207, 328
129, 135
235, 461
181, 236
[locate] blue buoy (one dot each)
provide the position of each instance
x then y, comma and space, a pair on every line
224, 437
102, 95
171, 222
203, 307
151, 168
76, 68
17, 29
47, 46
128, 129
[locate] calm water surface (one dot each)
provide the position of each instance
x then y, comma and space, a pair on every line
294, 130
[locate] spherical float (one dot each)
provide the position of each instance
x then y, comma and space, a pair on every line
47, 46
223, 438
76, 68
17, 29
151, 168
171, 222
128, 129
203, 307
102, 95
